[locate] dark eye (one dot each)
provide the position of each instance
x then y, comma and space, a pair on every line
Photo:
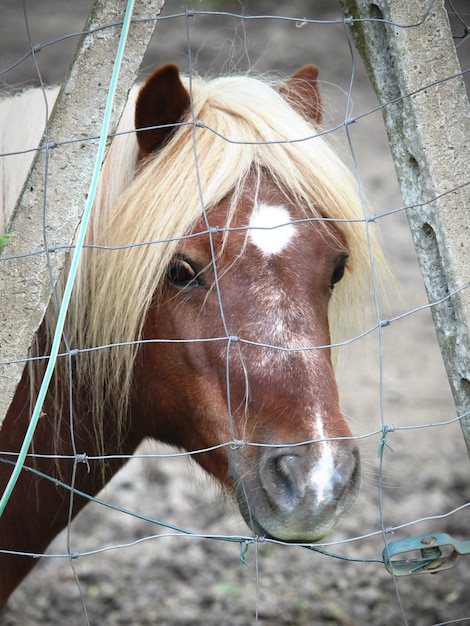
338, 270
182, 273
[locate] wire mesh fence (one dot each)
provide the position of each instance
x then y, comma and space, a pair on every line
157, 547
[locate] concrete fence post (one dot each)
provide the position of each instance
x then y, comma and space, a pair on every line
26, 283
408, 50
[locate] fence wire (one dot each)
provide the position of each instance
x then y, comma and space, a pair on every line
155, 547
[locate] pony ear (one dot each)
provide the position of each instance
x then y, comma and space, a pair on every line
162, 100
302, 93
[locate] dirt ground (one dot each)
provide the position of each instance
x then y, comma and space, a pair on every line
142, 573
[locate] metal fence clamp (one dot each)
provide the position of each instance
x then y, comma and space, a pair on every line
438, 552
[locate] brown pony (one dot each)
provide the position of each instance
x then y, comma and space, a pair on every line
220, 234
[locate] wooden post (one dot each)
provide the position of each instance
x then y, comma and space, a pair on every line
26, 282
413, 66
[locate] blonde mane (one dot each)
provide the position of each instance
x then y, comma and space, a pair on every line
242, 125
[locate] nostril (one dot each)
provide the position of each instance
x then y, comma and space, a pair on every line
280, 479
309, 477
283, 465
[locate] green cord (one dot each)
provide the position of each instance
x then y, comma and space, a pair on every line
74, 264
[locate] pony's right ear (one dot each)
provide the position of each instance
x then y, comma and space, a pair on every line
161, 102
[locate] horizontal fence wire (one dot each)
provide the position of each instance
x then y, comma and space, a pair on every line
397, 399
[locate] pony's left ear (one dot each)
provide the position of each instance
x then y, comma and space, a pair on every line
302, 93
161, 102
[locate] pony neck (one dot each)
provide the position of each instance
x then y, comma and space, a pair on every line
36, 497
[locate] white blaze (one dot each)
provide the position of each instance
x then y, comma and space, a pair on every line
270, 228
325, 468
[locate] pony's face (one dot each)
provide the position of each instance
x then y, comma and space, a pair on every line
247, 362
241, 365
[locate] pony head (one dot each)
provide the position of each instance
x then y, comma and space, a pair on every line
227, 238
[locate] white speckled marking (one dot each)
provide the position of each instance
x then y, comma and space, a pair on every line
271, 228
